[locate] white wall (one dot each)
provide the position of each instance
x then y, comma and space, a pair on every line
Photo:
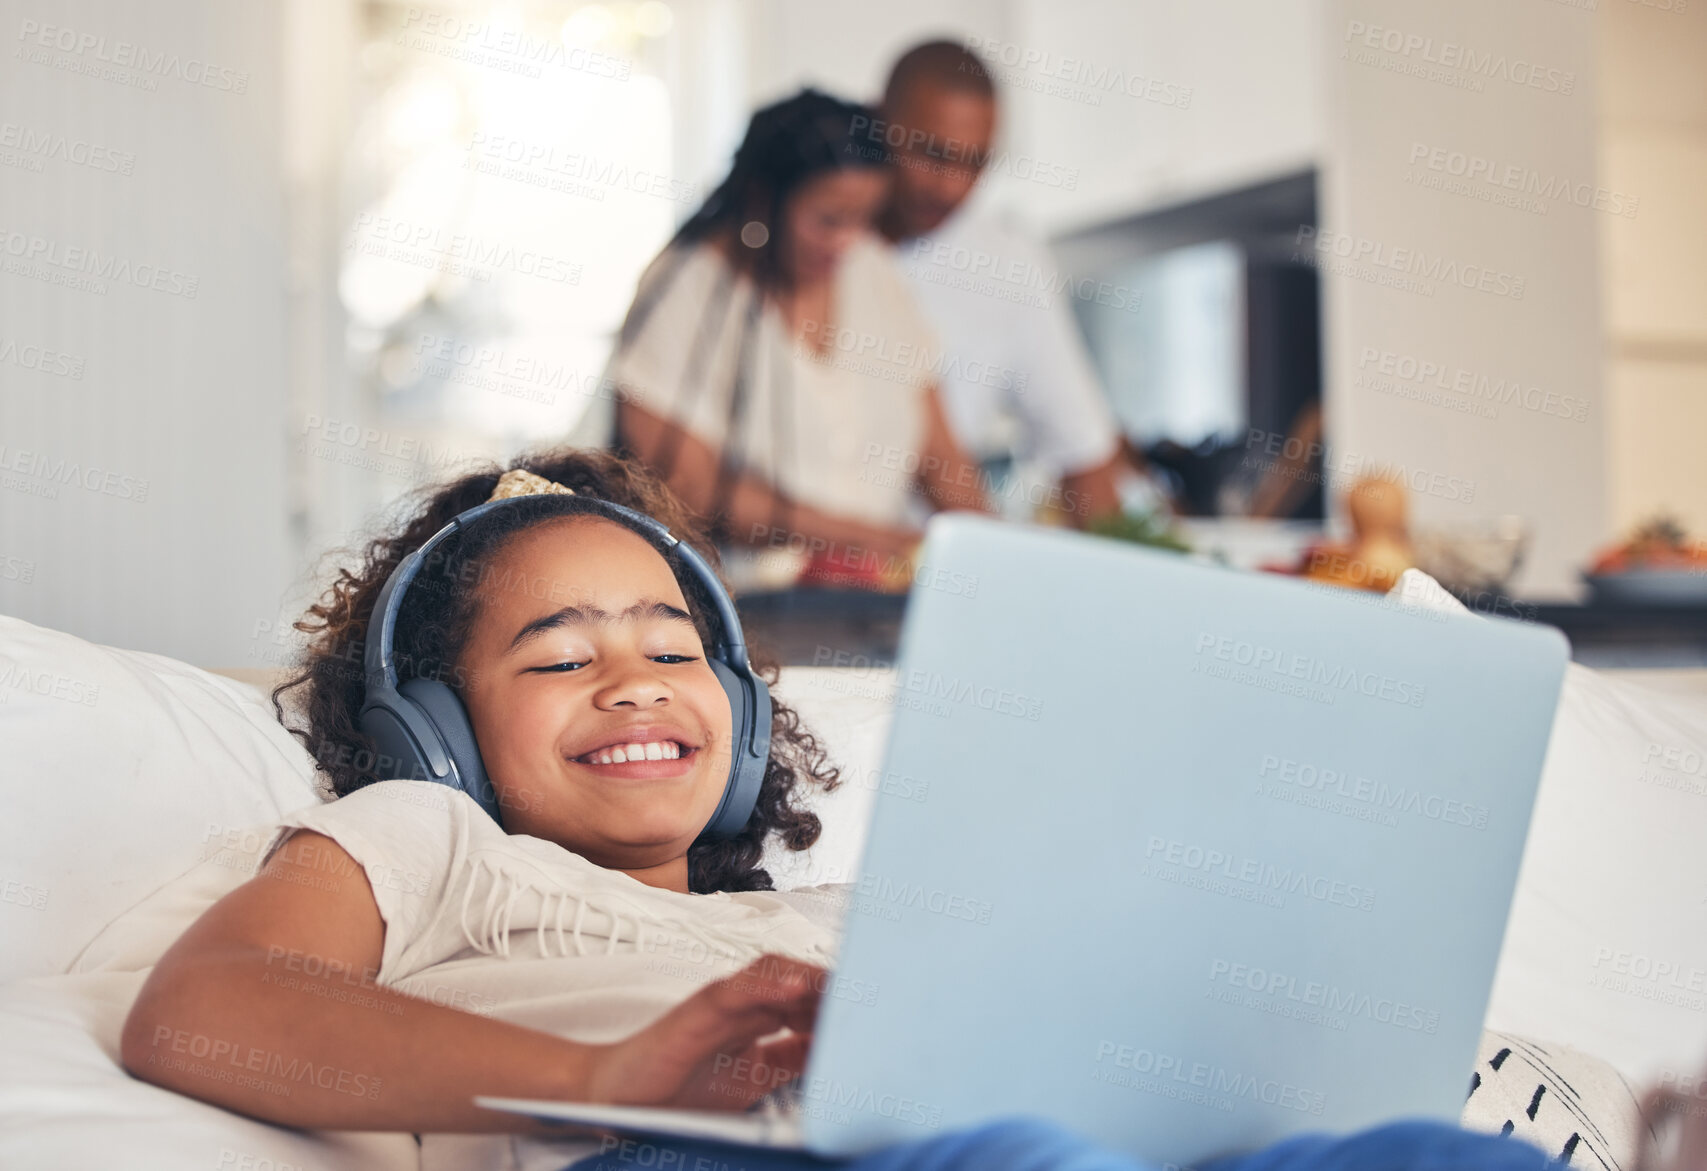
328, 500
1653, 141
1121, 105
1155, 102
185, 395
1548, 467
849, 50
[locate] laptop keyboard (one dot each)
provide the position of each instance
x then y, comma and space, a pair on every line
782, 1101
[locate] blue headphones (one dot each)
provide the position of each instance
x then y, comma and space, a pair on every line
422, 726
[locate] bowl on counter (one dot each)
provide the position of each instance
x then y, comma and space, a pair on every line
1650, 587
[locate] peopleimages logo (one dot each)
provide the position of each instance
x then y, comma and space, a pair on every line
1210, 1079
502, 48
1012, 278
1676, 759
918, 149
1309, 669
828, 1092
938, 902
37, 145
901, 361
38, 358
432, 246
1449, 55
1520, 179
49, 473
1219, 866
508, 372
212, 1055
1345, 468
1000, 701
88, 269
549, 166
1378, 796
22, 894
17, 678
1676, 974
1330, 998
127, 55
1374, 364
1072, 77
1409, 262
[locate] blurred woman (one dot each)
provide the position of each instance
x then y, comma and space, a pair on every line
773, 369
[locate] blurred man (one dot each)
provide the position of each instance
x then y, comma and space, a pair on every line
1015, 375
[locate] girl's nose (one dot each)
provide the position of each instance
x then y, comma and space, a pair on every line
637, 685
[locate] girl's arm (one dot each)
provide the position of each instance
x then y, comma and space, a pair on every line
230, 1016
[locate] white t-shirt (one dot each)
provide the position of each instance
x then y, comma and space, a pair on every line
500, 924
828, 430
1014, 372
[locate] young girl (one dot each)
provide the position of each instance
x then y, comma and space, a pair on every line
595, 945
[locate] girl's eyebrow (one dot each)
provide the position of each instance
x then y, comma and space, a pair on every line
593, 616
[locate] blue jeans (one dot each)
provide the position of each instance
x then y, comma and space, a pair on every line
1029, 1144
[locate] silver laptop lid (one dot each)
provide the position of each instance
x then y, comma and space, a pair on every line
1191, 860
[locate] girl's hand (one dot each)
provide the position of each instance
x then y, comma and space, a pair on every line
1675, 1123
706, 1053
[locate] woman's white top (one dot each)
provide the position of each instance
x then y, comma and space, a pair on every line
500, 924
840, 430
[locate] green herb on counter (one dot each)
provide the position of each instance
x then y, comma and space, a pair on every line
1141, 529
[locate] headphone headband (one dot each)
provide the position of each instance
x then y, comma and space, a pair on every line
379, 663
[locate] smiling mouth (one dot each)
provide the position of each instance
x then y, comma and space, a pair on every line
626, 753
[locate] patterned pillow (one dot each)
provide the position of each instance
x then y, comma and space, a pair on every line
1569, 1104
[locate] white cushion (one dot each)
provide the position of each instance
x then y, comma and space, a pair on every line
121, 770
848, 712
1573, 1106
65, 1104
1606, 949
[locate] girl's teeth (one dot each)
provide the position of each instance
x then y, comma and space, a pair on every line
651, 750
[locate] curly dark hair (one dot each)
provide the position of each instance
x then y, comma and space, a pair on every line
439, 612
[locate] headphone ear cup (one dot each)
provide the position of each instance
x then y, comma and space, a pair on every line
395, 738
449, 719
749, 716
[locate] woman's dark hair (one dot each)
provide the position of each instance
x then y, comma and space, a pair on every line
439, 611
787, 143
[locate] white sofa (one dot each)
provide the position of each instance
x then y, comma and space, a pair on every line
124, 769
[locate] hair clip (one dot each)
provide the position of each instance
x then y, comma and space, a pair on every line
521, 482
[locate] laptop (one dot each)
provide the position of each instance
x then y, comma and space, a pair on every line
1206, 859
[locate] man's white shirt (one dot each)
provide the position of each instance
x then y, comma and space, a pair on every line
1014, 373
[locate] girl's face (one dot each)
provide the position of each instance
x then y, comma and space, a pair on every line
825, 216
582, 654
